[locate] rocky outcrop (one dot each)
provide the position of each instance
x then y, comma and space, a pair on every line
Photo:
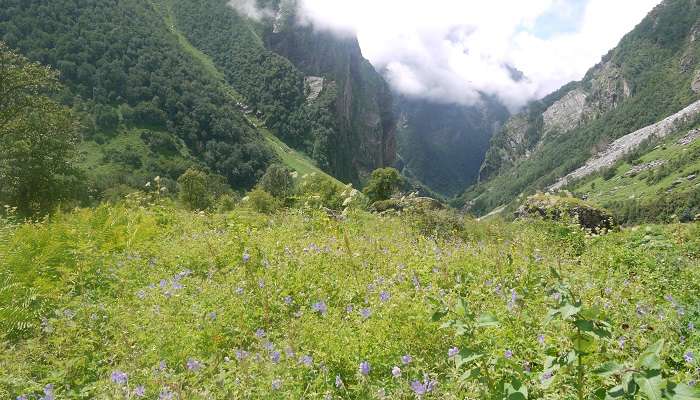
691, 137
314, 86
407, 203
638, 169
565, 114
557, 208
695, 85
616, 150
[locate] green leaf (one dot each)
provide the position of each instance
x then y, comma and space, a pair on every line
461, 308
487, 320
681, 392
650, 359
515, 390
608, 369
438, 315
650, 384
467, 356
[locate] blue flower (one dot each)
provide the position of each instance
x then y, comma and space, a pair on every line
338, 382
546, 376
365, 313
320, 307
22, 397
48, 393
453, 352
689, 357
140, 391
246, 256
541, 339
275, 357
120, 378
508, 354
365, 368
406, 359
276, 384
396, 372
288, 300
384, 296
260, 333
165, 394
423, 388
307, 360
194, 365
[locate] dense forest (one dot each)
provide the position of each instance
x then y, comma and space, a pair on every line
122, 67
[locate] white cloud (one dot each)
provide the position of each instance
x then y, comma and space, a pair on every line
450, 50
250, 9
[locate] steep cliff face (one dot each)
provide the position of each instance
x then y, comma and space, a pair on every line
362, 107
651, 75
443, 145
312, 88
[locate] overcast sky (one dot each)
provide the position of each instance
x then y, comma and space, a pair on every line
449, 50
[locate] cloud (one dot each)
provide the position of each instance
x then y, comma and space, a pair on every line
452, 50
250, 9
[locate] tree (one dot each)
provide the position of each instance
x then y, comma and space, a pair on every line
194, 190
383, 183
38, 137
277, 181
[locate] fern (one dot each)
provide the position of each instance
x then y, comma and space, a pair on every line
21, 308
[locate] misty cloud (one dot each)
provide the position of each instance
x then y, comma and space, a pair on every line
250, 9
452, 50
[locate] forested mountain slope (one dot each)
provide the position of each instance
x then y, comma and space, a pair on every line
442, 145
652, 74
313, 89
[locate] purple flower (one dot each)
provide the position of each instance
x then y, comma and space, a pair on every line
212, 315
261, 284
338, 382
307, 360
541, 339
423, 388
691, 326
275, 357
452, 352
406, 359
260, 333
527, 367
288, 300
140, 391
119, 377
241, 355
165, 394
621, 342
349, 308
508, 354
320, 307
365, 313
246, 256
48, 393
546, 376
384, 296
364, 368
193, 365
276, 384
22, 397
556, 296
396, 372
162, 366
239, 291
689, 357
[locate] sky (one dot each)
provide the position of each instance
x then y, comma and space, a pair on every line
452, 50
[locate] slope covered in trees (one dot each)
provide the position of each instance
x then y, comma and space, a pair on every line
647, 77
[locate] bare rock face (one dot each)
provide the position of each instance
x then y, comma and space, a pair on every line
608, 89
636, 170
691, 137
314, 86
557, 208
696, 83
565, 114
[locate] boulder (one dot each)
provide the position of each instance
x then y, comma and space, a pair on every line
407, 203
556, 208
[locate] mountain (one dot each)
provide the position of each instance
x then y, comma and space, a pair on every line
650, 76
163, 85
442, 146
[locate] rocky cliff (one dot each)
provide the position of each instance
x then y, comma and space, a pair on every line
651, 75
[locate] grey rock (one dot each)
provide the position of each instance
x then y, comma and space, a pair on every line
691, 137
637, 169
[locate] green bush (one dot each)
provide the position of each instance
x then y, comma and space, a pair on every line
262, 201
277, 181
194, 191
383, 184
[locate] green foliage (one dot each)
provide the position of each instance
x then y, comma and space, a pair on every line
38, 137
383, 183
122, 55
194, 189
277, 181
262, 201
127, 286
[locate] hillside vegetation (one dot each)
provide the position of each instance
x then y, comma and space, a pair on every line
144, 299
646, 78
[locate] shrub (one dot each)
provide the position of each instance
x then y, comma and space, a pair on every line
262, 201
383, 184
194, 191
277, 181
318, 191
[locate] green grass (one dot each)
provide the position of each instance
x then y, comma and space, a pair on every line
621, 187
122, 288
